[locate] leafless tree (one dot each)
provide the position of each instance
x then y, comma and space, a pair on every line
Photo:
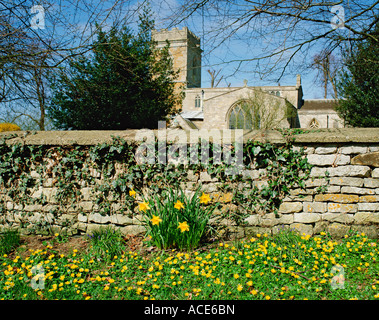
35, 44
214, 80
279, 35
327, 67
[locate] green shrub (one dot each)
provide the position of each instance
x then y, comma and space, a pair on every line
9, 240
174, 221
106, 243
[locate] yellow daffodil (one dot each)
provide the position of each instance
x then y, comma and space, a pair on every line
179, 205
143, 206
132, 193
155, 220
183, 226
205, 198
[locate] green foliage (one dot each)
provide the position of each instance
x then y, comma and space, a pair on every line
9, 240
359, 84
126, 83
105, 243
110, 171
174, 220
287, 266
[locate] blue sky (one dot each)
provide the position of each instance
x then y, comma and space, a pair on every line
237, 49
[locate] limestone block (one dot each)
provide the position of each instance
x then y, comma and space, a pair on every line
340, 198
205, 177
371, 183
375, 173
290, 207
328, 160
310, 183
320, 226
342, 171
82, 218
250, 174
347, 181
82, 226
353, 149
333, 189
368, 159
373, 206
338, 217
253, 220
306, 217
133, 230
252, 231
338, 230
299, 197
372, 232
86, 206
342, 207
366, 217
121, 219
325, 150
91, 227
302, 228
314, 207
86, 193
98, 218
356, 190
369, 198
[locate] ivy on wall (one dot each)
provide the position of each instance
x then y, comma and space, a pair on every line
110, 171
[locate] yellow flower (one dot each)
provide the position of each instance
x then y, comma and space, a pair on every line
178, 205
205, 198
239, 288
155, 220
143, 206
132, 193
183, 226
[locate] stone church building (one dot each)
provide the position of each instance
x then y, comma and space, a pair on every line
246, 107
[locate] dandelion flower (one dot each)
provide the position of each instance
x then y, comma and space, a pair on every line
179, 205
132, 193
155, 220
183, 226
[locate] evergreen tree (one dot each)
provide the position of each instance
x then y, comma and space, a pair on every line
359, 84
126, 83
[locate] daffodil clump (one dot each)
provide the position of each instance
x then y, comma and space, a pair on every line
174, 220
262, 267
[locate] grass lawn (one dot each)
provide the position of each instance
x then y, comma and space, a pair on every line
285, 266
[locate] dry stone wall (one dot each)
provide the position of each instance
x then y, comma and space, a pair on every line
341, 194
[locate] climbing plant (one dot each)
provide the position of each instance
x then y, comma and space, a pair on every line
111, 172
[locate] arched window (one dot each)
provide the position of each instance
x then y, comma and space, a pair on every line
197, 102
314, 124
243, 116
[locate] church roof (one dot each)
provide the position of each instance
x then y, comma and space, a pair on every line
318, 104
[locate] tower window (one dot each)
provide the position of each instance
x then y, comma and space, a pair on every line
197, 102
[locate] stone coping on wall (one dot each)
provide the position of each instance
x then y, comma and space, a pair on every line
93, 137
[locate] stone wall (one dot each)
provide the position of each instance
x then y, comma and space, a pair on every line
342, 193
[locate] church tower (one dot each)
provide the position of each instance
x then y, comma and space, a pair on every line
185, 52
